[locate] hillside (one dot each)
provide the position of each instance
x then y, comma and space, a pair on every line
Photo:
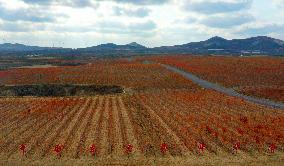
216, 45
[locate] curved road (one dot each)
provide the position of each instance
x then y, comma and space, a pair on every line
227, 91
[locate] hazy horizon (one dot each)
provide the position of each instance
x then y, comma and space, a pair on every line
125, 43
84, 23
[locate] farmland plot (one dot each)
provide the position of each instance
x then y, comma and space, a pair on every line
256, 76
178, 119
164, 120
131, 75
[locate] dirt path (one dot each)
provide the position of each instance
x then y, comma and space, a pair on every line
104, 142
93, 128
82, 147
128, 128
118, 141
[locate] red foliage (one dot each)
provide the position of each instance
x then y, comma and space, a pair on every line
215, 134
93, 149
23, 148
240, 131
244, 119
224, 129
237, 146
272, 148
58, 149
128, 149
201, 147
164, 148
257, 139
209, 129
257, 76
108, 73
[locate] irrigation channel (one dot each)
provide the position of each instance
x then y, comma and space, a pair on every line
219, 88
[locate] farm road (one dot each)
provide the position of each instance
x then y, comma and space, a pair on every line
224, 90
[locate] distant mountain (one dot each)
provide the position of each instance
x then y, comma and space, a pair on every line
24, 50
215, 45
111, 49
218, 45
18, 47
8, 47
136, 45
111, 46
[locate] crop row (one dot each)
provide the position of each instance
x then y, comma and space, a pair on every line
176, 123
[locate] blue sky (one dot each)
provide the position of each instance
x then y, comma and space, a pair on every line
81, 23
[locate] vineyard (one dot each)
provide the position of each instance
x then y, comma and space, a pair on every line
257, 76
162, 119
132, 75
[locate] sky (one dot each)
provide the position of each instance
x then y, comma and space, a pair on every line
83, 23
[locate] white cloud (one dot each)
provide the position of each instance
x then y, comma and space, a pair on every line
216, 6
279, 3
71, 3
138, 12
141, 2
227, 21
78, 23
